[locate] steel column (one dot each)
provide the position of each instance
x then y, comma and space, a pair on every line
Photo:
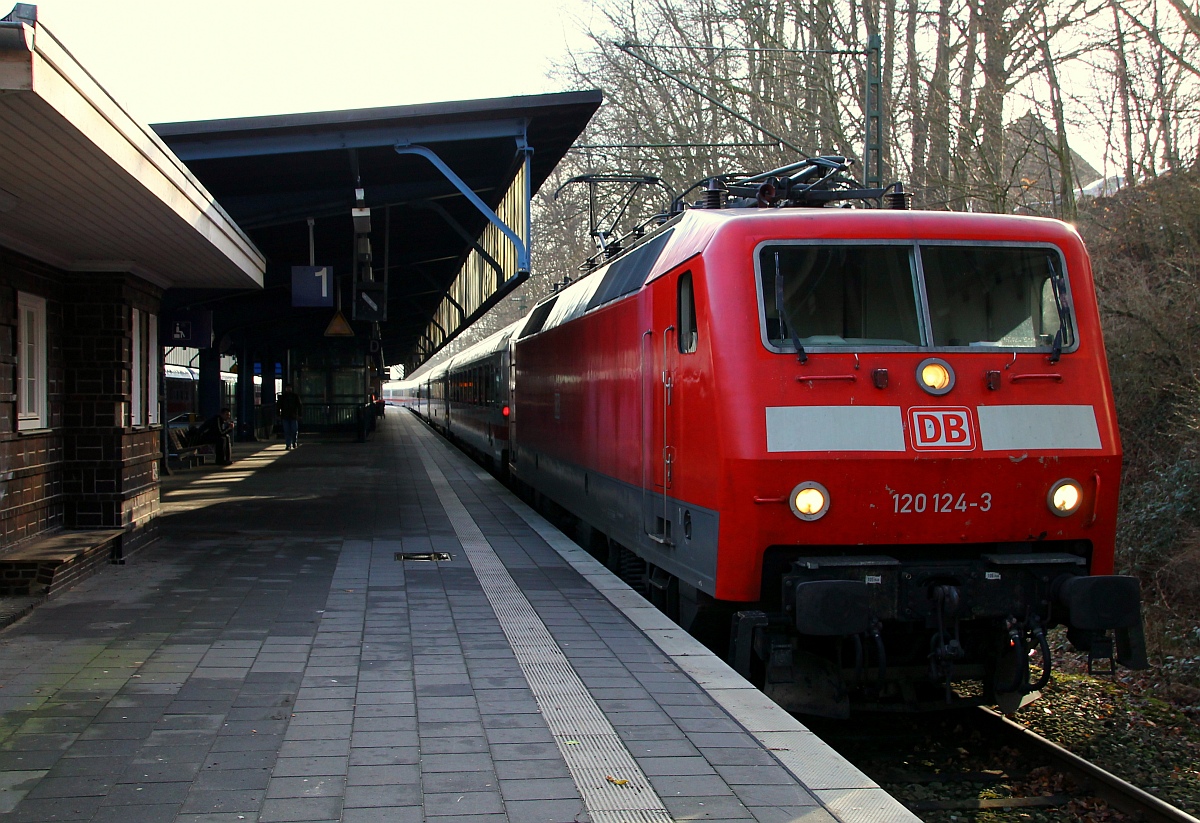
210, 383
873, 108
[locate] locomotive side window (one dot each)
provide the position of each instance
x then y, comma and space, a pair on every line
686, 320
839, 295
995, 296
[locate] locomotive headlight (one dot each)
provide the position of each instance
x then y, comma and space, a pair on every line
1065, 497
809, 500
935, 375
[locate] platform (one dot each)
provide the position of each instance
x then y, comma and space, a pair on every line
274, 658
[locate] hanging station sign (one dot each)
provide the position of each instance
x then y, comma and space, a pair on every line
312, 285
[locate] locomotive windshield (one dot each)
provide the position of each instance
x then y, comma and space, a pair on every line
871, 295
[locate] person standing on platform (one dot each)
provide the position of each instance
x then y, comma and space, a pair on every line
290, 409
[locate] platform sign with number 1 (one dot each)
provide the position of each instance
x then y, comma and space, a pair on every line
312, 285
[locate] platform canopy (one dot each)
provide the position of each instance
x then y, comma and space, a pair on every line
447, 188
85, 187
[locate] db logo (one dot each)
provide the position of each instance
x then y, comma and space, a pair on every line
941, 428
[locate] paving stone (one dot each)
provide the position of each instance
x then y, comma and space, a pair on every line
314, 748
85, 767
73, 786
160, 772
697, 765
404, 814
390, 723
539, 788
383, 796
461, 804
382, 775
330, 731
161, 813
791, 814
520, 735
545, 811
131, 794
706, 808
308, 766
689, 785
233, 779
239, 760
40, 810
284, 810
325, 786
525, 769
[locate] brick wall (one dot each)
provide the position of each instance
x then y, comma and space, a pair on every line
110, 469
31, 491
90, 469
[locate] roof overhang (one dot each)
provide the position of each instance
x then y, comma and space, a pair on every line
444, 261
85, 187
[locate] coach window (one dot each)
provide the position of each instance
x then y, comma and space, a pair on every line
688, 331
32, 405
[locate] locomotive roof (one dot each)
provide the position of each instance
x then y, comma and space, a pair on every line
696, 229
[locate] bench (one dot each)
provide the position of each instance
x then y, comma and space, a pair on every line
181, 449
47, 564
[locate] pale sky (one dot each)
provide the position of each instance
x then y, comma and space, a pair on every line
169, 60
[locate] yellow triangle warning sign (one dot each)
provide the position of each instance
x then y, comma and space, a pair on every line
338, 327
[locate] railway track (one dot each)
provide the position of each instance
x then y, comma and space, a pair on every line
980, 766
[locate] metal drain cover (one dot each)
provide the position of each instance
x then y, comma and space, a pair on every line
425, 557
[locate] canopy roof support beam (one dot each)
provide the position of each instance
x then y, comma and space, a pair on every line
465, 190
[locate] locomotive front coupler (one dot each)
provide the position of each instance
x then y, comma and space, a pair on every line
945, 648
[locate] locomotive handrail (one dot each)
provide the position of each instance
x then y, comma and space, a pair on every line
1095, 501
1055, 376
813, 377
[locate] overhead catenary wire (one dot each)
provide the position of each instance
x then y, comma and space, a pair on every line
750, 49
583, 146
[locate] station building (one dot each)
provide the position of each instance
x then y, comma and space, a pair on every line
98, 219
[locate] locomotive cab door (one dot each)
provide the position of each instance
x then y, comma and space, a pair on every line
660, 355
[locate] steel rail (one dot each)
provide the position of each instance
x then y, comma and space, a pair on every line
1120, 793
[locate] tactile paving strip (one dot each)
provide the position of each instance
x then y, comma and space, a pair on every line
612, 785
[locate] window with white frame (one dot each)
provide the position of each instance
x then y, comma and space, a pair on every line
33, 410
138, 365
153, 358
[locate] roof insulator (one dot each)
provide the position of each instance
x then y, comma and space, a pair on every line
715, 194
898, 198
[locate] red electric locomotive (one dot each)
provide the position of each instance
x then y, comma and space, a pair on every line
878, 443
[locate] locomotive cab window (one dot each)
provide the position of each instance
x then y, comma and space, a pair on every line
839, 295
686, 320
1003, 296
867, 295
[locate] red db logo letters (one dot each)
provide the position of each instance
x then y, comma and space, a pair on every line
941, 428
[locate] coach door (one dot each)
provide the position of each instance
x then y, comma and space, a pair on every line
659, 356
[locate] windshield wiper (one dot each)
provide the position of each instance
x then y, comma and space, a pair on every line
784, 326
1058, 286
